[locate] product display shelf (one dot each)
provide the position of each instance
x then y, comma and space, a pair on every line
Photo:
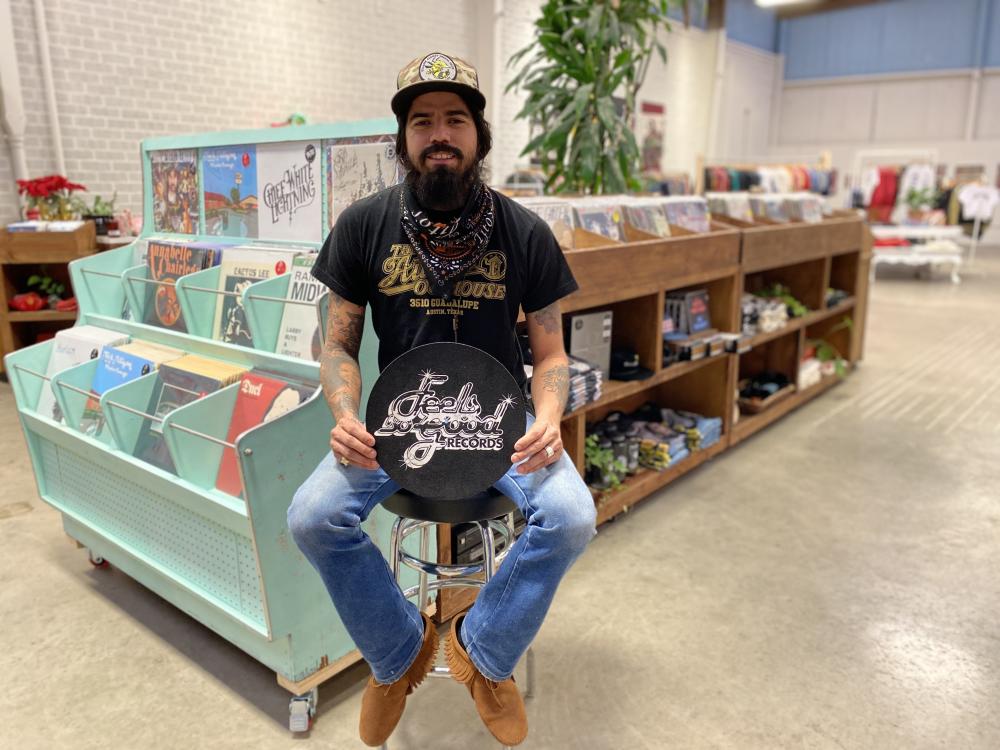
835, 257
751, 424
646, 482
227, 561
632, 279
806, 320
21, 255
767, 244
807, 257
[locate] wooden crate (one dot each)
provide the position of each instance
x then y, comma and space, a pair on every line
49, 247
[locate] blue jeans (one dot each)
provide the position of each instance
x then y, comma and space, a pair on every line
325, 520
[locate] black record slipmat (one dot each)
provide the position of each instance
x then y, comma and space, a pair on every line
445, 419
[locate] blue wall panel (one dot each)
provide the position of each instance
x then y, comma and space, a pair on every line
888, 37
750, 24
992, 56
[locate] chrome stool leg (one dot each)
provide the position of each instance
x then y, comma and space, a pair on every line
425, 537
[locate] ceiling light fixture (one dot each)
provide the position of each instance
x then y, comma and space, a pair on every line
782, 3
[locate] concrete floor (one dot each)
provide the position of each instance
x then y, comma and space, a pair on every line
832, 583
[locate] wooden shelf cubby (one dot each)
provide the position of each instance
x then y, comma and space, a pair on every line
23, 254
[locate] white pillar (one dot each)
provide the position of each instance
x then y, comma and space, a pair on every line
12, 117
42, 33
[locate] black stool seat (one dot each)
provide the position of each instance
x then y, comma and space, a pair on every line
488, 504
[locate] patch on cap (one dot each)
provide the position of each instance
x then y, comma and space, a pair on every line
438, 67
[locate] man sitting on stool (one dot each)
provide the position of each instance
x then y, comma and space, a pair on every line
442, 257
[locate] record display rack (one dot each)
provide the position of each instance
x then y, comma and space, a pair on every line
228, 562
632, 279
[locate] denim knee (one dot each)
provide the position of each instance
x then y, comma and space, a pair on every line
314, 516
570, 516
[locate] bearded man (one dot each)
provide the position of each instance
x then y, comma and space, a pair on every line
442, 257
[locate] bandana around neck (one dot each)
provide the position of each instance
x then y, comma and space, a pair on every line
448, 249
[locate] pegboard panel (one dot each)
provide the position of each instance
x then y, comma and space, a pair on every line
209, 558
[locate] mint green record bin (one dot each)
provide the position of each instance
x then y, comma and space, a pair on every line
228, 562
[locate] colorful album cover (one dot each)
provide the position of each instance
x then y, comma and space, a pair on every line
175, 191
230, 175
558, 214
241, 267
289, 187
357, 168
602, 219
299, 332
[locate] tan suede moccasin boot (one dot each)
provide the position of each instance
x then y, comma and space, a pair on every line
382, 705
499, 704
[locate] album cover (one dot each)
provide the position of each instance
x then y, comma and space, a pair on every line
289, 189
558, 214
167, 262
600, 218
119, 365
299, 335
181, 381
175, 190
230, 175
357, 168
72, 346
240, 267
260, 399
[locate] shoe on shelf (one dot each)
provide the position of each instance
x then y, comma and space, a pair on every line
382, 705
499, 704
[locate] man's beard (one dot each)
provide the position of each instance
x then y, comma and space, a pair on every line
442, 188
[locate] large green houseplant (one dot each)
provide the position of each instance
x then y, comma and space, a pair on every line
585, 53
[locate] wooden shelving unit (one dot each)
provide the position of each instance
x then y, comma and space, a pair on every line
21, 253
632, 279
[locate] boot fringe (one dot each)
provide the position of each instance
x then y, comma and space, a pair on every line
425, 657
459, 662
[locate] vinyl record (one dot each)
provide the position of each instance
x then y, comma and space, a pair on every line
445, 419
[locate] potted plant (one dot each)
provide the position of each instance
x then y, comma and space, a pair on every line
102, 213
50, 289
51, 198
920, 202
831, 360
586, 65
603, 471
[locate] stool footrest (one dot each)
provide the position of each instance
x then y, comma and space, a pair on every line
444, 583
442, 570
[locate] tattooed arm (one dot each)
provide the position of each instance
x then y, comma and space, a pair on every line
341, 378
549, 390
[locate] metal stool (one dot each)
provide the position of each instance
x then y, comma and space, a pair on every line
416, 513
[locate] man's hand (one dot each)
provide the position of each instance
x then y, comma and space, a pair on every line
543, 434
351, 441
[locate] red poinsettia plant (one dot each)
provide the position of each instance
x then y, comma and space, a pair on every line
51, 197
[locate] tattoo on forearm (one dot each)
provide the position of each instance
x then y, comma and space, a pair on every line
549, 318
344, 326
339, 371
556, 381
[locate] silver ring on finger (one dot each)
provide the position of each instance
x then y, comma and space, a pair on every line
344, 461
549, 451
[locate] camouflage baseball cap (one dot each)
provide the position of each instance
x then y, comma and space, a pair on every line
437, 72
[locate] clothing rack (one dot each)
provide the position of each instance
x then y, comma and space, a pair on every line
821, 162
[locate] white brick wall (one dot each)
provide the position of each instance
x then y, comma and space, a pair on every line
510, 135
131, 69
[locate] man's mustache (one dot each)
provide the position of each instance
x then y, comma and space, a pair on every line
440, 150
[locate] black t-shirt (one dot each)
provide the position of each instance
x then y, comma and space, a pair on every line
367, 259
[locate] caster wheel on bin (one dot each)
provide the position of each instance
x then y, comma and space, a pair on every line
301, 710
97, 561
